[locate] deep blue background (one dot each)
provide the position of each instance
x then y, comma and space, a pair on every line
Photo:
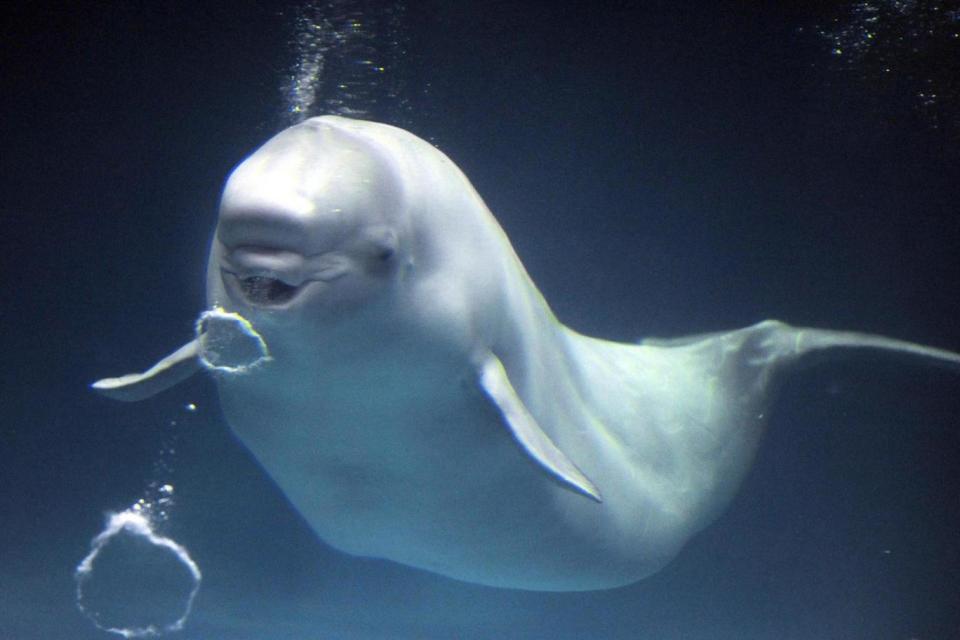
673, 168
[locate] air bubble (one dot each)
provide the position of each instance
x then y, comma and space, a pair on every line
348, 58
135, 582
229, 344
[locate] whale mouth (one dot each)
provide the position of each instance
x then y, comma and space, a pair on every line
261, 289
265, 291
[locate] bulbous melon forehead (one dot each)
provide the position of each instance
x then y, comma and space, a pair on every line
315, 169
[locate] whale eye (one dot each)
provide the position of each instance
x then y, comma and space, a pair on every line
380, 245
266, 291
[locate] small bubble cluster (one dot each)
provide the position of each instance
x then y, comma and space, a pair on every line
904, 48
157, 502
347, 54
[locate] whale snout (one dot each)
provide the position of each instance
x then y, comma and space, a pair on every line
264, 228
280, 264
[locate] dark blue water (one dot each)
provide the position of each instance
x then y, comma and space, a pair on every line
664, 170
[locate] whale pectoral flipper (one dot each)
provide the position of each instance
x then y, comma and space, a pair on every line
526, 431
171, 370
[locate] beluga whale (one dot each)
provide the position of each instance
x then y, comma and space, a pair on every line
381, 351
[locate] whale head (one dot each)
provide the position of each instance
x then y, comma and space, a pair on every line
310, 227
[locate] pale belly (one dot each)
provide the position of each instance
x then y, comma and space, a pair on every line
421, 469
442, 486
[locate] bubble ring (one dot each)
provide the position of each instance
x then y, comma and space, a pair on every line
243, 326
138, 524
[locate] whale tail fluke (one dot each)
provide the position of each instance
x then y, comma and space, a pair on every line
818, 340
772, 343
808, 345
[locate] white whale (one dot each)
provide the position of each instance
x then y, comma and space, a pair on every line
420, 401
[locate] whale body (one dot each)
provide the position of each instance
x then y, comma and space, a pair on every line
420, 401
